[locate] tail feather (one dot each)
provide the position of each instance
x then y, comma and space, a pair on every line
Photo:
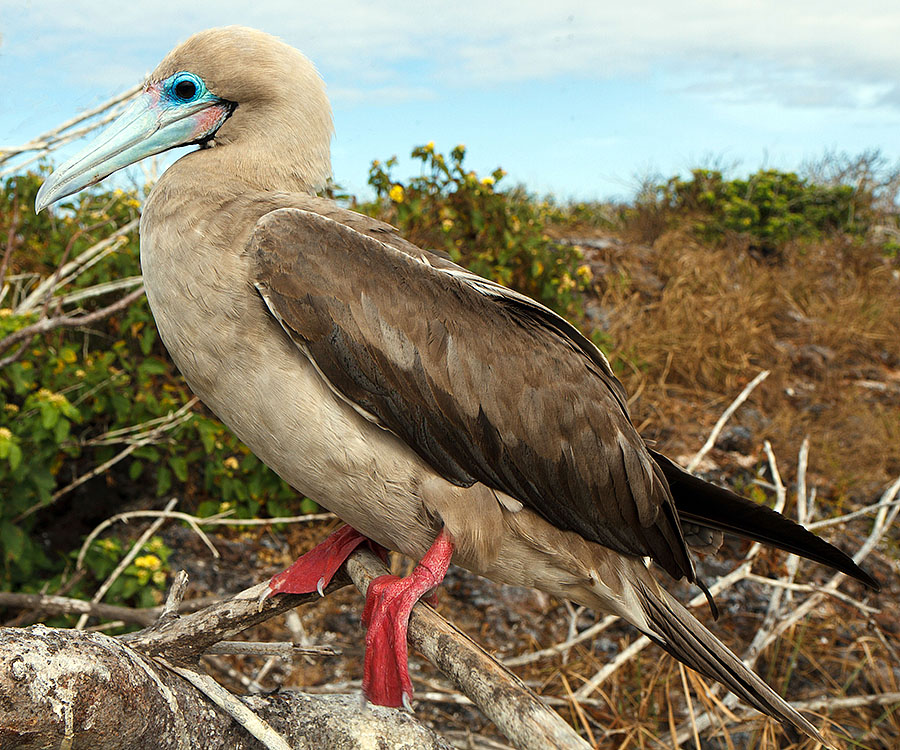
705, 504
677, 631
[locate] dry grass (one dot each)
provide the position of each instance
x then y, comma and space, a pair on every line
691, 324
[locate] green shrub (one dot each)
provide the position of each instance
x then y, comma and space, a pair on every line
75, 398
769, 208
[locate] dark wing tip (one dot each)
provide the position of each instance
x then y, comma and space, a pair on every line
706, 504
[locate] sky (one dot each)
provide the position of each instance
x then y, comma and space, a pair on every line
582, 100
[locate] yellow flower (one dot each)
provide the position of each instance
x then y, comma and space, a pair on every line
148, 562
5, 312
5, 433
487, 181
584, 271
231, 463
447, 224
397, 194
429, 146
159, 578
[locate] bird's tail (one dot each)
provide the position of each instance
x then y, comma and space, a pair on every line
677, 631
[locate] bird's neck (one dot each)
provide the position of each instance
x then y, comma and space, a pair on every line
251, 166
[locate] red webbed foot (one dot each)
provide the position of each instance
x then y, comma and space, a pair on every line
314, 570
389, 602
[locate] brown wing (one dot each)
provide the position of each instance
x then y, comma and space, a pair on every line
484, 385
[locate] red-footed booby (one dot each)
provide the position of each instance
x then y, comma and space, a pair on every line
437, 413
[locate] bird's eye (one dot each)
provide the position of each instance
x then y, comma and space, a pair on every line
186, 87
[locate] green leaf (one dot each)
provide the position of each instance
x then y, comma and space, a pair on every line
135, 470
12, 539
49, 416
207, 432
61, 432
163, 480
152, 366
15, 456
180, 467
308, 506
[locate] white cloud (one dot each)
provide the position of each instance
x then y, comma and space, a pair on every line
815, 51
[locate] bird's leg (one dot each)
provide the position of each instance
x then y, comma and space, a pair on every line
389, 601
314, 570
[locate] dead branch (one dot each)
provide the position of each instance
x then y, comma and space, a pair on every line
70, 689
63, 605
169, 704
726, 415
126, 561
45, 143
67, 321
184, 639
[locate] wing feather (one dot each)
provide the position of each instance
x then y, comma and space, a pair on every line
483, 383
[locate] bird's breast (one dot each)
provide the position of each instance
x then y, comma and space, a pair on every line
238, 360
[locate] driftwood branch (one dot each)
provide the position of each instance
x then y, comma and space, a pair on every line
71, 675
70, 689
63, 605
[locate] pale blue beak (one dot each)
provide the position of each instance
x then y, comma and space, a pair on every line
150, 125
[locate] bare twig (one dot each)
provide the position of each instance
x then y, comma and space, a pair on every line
587, 634
62, 605
726, 415
195, 522
126, 561
874, 508
258, 648
833, 704
241, 713
63, 321
70, 270
175, 595
98, 290
806, 588
173, 420
64, 133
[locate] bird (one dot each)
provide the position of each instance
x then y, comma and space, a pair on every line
439, 414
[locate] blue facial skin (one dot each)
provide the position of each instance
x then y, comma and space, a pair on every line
175, 112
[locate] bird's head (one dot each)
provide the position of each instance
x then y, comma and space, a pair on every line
231, 86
